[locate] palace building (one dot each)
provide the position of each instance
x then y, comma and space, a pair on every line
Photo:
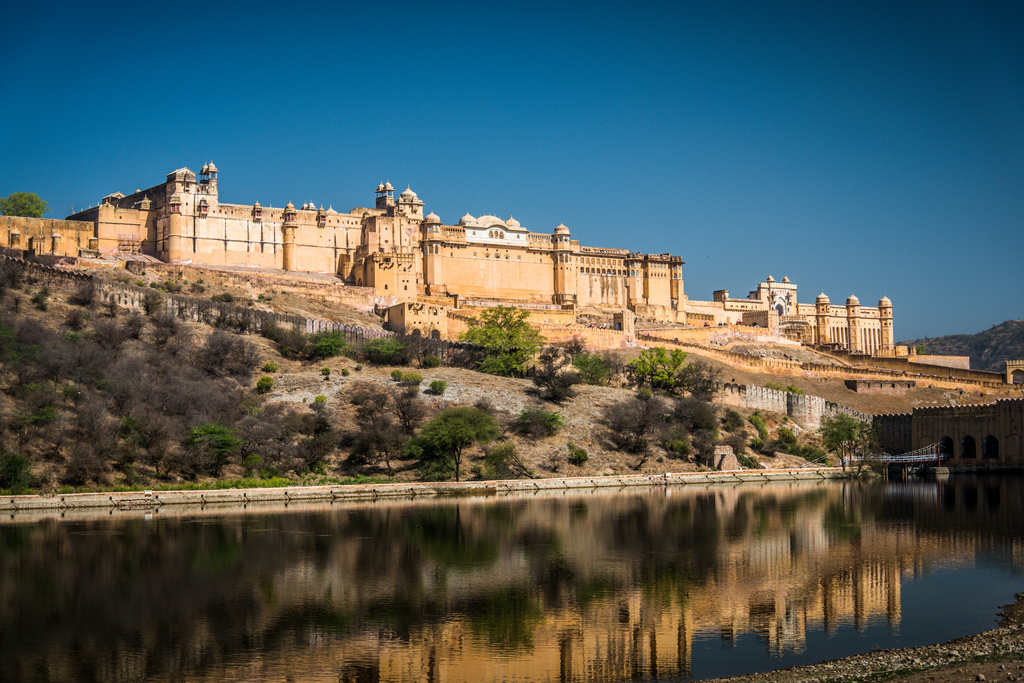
406, 256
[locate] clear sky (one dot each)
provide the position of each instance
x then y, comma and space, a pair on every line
856, 147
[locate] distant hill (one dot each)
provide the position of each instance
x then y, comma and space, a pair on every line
988, 350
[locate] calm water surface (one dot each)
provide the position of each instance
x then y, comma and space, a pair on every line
677, 583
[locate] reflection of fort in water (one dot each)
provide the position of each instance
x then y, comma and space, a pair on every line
603, 587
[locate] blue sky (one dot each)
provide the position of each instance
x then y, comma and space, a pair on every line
855, 147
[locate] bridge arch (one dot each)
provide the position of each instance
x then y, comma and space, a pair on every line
968, 447
990, 447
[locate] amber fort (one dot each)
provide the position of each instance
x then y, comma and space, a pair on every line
404, 256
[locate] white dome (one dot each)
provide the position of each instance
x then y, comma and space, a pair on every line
467, 220
512, 222
852, 301
884, 302
380, 188
387, 187
561, 230
432, 218
211, 168
822, 298
407, 193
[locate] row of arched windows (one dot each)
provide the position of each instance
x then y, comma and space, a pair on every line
602, 271
969, 447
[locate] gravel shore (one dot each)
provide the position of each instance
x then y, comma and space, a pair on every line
996, 655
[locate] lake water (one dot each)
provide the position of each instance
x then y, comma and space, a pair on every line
676, 583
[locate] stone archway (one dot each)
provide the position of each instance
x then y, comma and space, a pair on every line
968, 447
990, 447
946, 446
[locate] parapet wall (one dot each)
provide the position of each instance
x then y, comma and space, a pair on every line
807, 411
914, 365
193, 309
359, 298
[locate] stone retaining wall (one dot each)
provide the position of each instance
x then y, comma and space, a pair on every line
151, 500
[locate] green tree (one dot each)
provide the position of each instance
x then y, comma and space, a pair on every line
669, 372
507, 339
326, 344
385, 351
843, 435
443, 441
592, 368
23, 204
213, 443
659, 368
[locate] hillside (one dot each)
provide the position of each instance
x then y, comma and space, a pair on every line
98, 397
988, 350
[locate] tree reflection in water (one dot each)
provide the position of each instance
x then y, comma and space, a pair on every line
603, 586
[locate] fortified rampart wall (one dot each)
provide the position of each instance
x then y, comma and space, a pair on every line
894, 432
914, 365
359, 298
807, 411
193, 309
954, 380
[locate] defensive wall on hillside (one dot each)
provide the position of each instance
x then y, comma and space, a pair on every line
954, 379
336, 292
807, 411
187, 308
914, 364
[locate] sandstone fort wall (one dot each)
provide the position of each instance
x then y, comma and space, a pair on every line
807, 411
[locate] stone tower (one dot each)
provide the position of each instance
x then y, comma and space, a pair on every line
887, 338
565, 270
288, 228
385, 195
853, 323
821, 306
433, 269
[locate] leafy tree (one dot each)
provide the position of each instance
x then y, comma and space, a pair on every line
23, 204
592, 368
213, 443
14, 473
843, 435
538, 423
659, 368
669, 372
385, 351
507, 339
442, 443
326, 344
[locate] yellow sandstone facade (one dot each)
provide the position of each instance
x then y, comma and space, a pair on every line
408, 257
391, 247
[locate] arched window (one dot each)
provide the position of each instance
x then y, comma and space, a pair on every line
968, 448
946, 447
990, 447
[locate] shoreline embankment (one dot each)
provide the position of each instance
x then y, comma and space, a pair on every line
142, 500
